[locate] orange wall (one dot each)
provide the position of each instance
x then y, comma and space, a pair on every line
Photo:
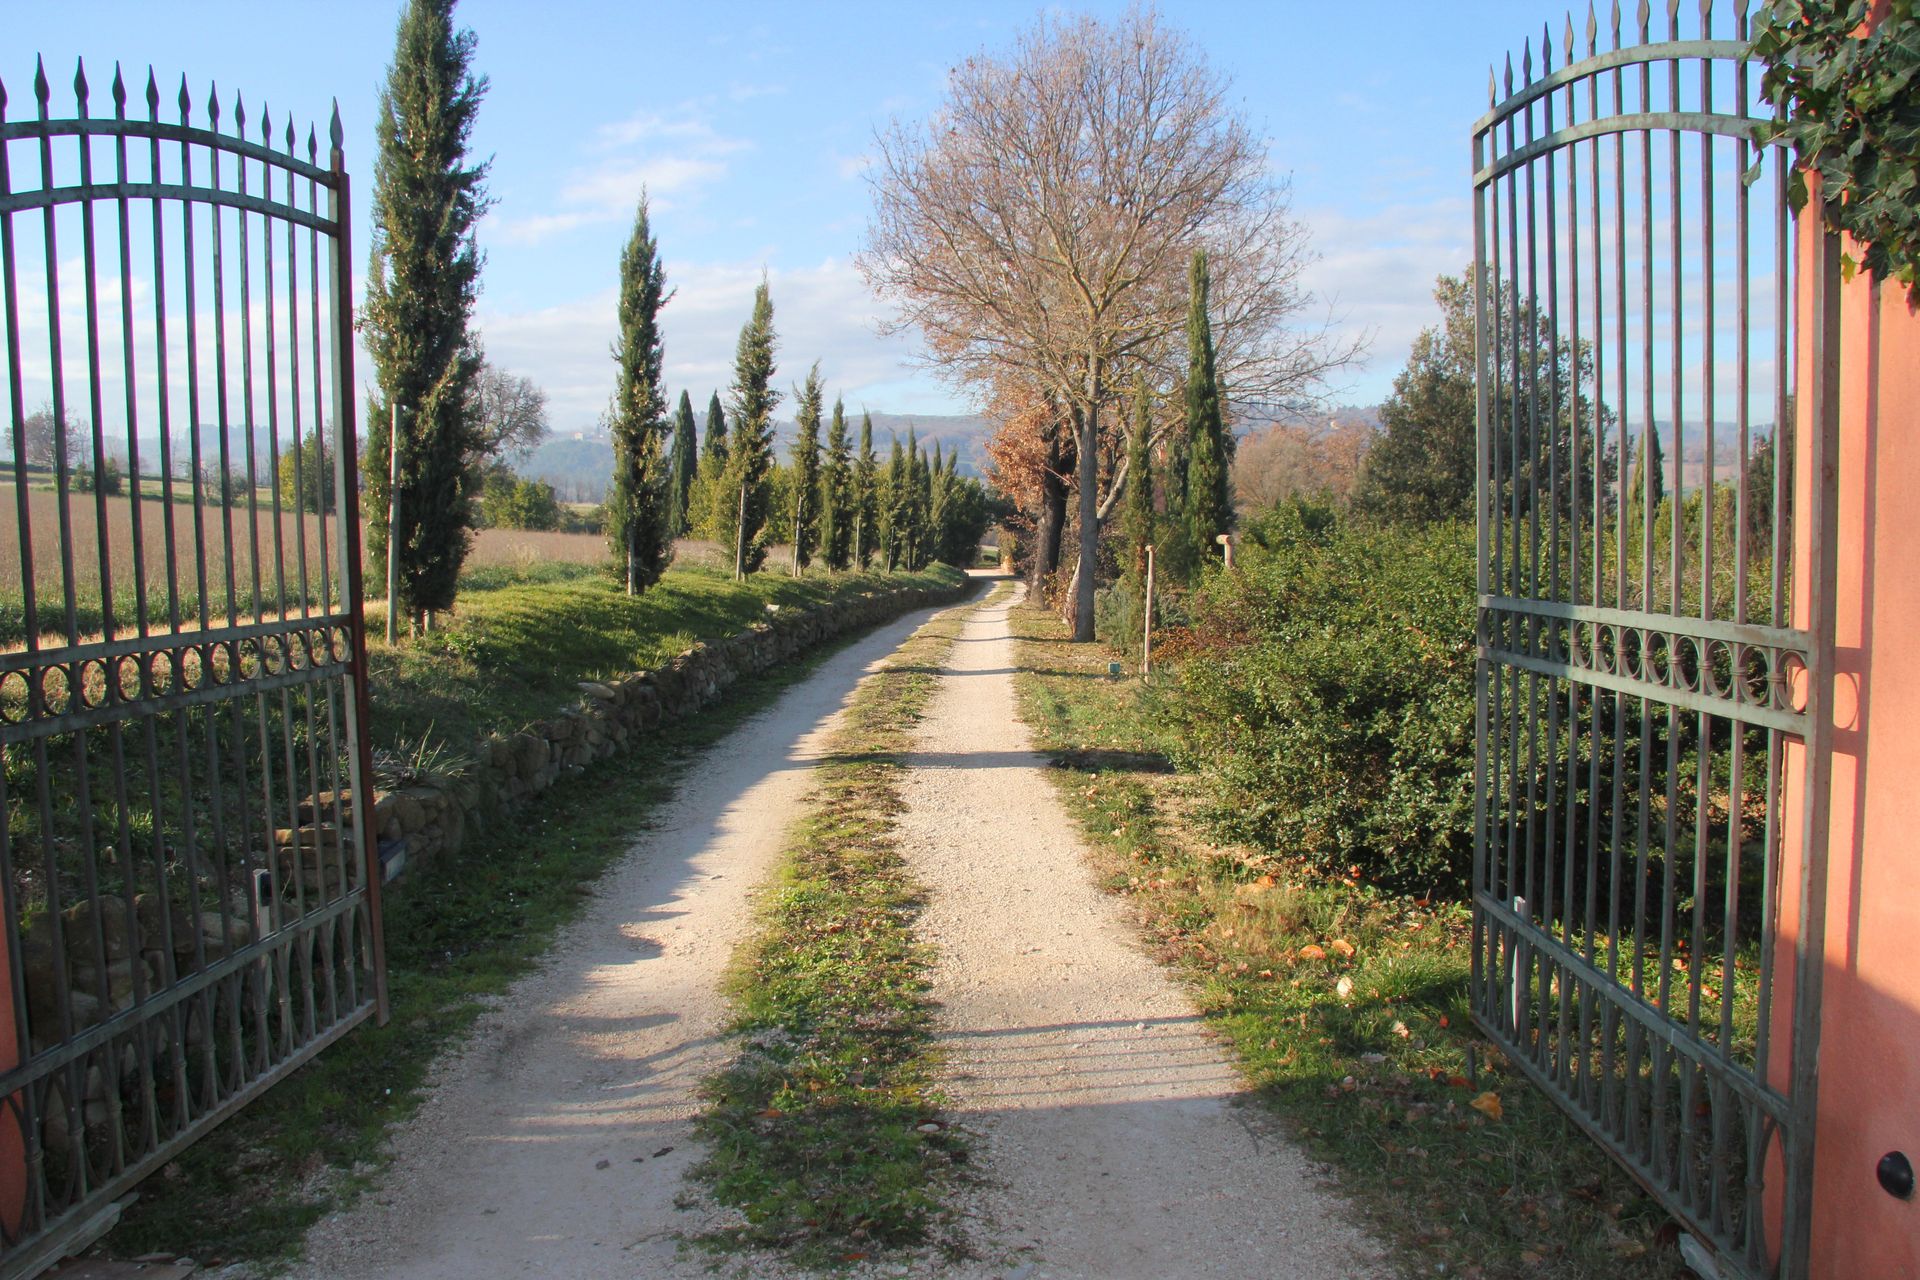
1869, 1091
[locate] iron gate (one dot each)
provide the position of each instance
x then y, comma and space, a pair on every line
186, 874
1654, 664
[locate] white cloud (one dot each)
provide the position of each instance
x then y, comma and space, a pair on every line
822, 312
664, 155
1376, 273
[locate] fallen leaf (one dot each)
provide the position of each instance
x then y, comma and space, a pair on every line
1344, 947
1312, 952
772, 1113
1343, 988
1443, 1021
1487, 1104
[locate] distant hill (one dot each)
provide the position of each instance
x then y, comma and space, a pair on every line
578, 468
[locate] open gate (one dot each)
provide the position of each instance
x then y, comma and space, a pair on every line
1655, 664
190, 894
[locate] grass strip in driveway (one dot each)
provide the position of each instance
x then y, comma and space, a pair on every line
1346, 1007
825, 1130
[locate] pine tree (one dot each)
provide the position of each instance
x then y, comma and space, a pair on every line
680, 492
866, 495
1209, 498
1136, 519
895, 505
913, 515
750, 441
707, 512
1647, 486
638, 500
806, 471
935, 540
423, 278
836, 492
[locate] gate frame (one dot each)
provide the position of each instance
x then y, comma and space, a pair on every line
1816, 357
32, 1244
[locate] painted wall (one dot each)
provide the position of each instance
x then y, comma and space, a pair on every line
1869, 1091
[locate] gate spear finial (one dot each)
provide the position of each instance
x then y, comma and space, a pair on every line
80, 86
119, 94
41, 89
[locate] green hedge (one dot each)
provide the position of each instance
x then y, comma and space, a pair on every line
1326, 697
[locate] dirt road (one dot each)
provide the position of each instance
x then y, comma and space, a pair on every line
1118, 1140
556, 1142
1114, 1135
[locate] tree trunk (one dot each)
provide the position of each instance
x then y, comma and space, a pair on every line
1052, 525
1089, 444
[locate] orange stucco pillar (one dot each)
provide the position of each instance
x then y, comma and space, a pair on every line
1869, 1060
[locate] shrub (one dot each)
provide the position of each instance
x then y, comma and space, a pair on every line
1328, 696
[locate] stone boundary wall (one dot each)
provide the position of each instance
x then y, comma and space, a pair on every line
419, 823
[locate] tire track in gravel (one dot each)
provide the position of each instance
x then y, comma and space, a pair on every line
555, 1142
1117, 1138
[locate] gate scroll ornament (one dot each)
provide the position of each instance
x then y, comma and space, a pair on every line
1655, 662
190, 889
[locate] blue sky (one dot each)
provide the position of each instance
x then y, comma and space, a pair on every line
749, 123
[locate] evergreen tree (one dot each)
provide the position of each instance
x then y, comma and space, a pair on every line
806, 471
707, 512
744, 492
1136, 518
836, 493
936, 505
866, 495
680, 492
423, 278
1421, 467
1209, 510
1647, 486
640, 497
895, 505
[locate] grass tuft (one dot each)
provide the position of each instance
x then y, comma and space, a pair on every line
825, 1129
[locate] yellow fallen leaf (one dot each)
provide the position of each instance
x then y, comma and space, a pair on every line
1487, 1104
1344, 947
1312, 952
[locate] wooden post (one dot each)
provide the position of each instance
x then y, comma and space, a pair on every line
393, 519
1146, 638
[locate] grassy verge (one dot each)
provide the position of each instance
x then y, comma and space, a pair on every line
516, 650
457, 933
824, 1129
1347, 1008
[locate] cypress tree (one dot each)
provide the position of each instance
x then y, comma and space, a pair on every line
705, 514
639, 497
1209, 499
895, 505
836, 491
936, 505
680, 493
423, 278
806, 471
866, 495
1136, 520
745, 496
913, 512
1648, 481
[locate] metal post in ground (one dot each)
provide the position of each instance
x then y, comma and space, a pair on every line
393, 518
1226, 543
1146, 636
740, 538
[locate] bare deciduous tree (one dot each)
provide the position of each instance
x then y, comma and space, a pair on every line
509, 413
1040, 223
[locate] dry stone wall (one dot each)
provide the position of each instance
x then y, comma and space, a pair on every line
419, 823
